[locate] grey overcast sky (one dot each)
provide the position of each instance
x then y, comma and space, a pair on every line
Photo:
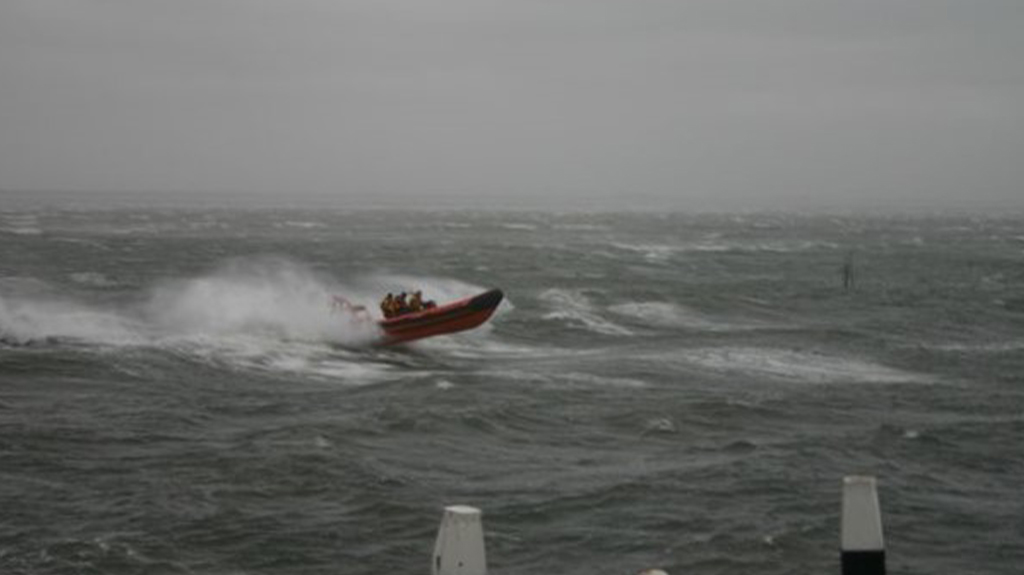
684, 103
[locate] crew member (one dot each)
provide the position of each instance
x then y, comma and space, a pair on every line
387, 306
416, 301
429, 304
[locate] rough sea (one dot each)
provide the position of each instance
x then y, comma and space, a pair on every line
658, 390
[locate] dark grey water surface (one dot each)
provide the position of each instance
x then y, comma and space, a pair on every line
676, 391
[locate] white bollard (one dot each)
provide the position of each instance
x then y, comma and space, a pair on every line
863, 551
459, 549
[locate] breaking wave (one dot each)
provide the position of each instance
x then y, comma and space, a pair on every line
575, 308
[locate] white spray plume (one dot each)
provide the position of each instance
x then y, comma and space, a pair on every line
268, 296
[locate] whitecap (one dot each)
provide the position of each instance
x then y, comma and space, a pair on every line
573, 379
476, 344
94, 279
590, 379
21, 224
516, 375
22, 230
1004, 346
31, 319
581, 227
588, 322
84, 242
276, 357
713, 247
664, 314
519, 226
791, 365
650, 252
575, 309
303, 225
660, 425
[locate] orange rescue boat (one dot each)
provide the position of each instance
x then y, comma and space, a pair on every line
450, 318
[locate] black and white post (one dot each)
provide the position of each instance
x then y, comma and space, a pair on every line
863, 550
459, 549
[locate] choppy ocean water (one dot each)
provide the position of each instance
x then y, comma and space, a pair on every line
675, 391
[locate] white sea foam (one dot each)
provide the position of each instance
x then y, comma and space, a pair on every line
581, 227
478, 345
799, 366
350, 371
302, 225
517, 375
519, 226
1004, 346
132, 230
20, 224
714, 244
27, 319
650, 252
84, 242
660, 425
572, 379
262, 353
664, 314
590, 379
94, 279
22, 230
574, 308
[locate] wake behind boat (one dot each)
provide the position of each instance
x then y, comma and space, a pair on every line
457, 316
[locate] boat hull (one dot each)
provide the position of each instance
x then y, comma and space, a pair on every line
458, 316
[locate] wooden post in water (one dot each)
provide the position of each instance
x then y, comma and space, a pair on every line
863, 550
459, 549
848, 272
